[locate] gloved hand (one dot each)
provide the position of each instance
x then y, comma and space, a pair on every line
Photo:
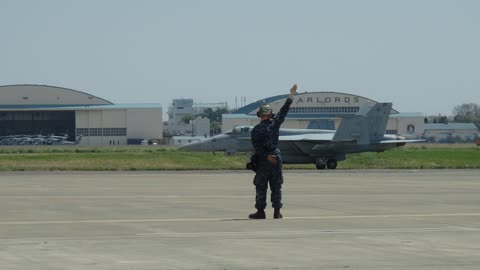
272, 159
251, 166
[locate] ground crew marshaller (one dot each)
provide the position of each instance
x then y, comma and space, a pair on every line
267, 158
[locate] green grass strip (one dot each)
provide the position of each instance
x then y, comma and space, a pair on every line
149, 158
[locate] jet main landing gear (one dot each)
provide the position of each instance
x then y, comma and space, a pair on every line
331, 164
322, 163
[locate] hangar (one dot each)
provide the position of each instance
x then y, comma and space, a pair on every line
324, 110
45, 110
451, 132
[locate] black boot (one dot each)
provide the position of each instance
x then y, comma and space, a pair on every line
277, 214
260, 214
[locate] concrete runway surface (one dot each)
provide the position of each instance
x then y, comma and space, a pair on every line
382, 219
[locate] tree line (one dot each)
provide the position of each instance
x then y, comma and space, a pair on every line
463, 113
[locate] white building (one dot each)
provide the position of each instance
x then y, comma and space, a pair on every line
184, 118
201, 127
46, 110
451, 132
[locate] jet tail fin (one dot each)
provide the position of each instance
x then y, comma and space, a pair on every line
79, 138
365, 128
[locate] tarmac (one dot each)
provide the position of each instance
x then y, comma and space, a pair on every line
341, 219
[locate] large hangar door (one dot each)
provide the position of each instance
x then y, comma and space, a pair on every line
38, 123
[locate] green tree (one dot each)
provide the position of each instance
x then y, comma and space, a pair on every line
187, 118
215, 128
443, 119
467, 113
215, 116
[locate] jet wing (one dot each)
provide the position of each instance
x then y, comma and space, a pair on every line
401, 141
307, 137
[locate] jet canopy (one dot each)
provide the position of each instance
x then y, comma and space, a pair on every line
240, 130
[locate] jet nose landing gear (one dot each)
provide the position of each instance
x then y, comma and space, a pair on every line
320, 166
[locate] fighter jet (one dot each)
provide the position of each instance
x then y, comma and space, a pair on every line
363, 132
38, 140
62, 140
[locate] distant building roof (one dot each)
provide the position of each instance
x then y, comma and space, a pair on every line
238, 116
312, 99
451, 126
30, 97
129, 106
252, 106
410, 114
29, 94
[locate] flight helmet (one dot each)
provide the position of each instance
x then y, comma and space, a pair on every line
265, 109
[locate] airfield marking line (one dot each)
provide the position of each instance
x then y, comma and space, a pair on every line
302, 232
149, 196
227, 219
390, 216
282, 233
126, 196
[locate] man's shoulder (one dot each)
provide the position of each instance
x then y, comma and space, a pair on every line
260, 127
262, 124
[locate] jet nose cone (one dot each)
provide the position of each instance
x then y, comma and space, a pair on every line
187, 147
216, 143
193, 146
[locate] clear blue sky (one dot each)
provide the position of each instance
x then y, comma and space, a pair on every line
424, 56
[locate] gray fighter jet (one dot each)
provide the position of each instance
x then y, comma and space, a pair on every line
38, 140
364, 132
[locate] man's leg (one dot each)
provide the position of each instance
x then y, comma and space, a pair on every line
260, 182
276, 196
276, 187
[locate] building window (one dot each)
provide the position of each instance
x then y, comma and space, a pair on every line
95, 132
110, 132
347, 109
83, 131
114, 132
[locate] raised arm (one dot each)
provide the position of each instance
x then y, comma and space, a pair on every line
280, 117
293, 91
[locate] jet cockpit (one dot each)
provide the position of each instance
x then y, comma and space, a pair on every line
241, 130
